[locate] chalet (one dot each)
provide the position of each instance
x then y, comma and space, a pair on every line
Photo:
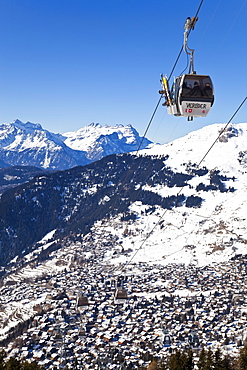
195, 305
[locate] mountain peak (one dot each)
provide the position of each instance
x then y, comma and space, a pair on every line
92, 124
99, 141
27, 126
31, 145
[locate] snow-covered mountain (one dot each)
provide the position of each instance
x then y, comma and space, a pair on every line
168, 226
217, 229
28, 144
183, 212
99, 141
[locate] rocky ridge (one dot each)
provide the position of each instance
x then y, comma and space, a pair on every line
28, 144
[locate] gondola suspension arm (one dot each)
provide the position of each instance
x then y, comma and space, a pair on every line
189, 25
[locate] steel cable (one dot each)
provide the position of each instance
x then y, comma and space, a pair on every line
164, 213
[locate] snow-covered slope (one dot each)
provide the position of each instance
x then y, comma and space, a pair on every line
99, 141
160, 206
218, 229
229, 153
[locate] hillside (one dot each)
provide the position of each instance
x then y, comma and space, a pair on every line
15, 175
170, 233
167, 191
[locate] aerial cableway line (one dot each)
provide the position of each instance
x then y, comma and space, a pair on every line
161, 218
168, 79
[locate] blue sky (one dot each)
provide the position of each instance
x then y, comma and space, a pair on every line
67, 63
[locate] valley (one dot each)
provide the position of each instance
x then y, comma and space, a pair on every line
169, 233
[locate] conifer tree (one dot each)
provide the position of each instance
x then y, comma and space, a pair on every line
189, 362
201, 364
2, 359
209, 360
243, 358
29, 366
181, 361
12, 364
153, 365
228, 363
175, 361
218, 360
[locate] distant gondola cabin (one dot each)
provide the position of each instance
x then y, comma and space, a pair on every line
121, 296
82, 302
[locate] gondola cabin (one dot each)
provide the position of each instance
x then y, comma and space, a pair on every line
82, 302
191, 95
121, 296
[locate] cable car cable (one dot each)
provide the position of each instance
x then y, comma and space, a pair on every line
181, 50
210, 20
174, 66
158, 103
226, 36
163, 214
223, 130
149, 124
